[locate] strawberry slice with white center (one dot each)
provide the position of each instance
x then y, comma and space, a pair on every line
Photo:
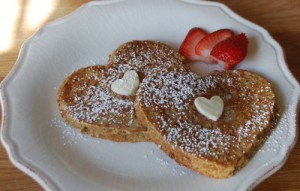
187, 48
206, 44
231, 51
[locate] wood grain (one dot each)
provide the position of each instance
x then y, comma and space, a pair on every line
281, 18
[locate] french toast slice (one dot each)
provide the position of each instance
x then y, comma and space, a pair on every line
218, 149
86, 101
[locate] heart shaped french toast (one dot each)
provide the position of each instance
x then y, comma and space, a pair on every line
100, 99
216, 145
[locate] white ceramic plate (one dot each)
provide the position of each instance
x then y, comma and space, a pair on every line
60, 158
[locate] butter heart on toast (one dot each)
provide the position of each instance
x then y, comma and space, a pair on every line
86, 99
165, 104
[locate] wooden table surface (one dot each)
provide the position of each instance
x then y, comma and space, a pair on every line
21, 18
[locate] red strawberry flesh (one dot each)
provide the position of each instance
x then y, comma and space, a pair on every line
225, 65
232, 50
187, 48
205, 45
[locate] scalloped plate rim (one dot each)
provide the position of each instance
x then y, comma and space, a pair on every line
46, 182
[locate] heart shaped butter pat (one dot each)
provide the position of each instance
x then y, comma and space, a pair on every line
211, 108
128, 85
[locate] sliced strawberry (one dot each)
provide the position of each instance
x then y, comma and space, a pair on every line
187, 48
225, 65
204, 47
232, 50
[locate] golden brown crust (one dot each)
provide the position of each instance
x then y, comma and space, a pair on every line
86, 101
206, 167
217, 149
144, 57
81, 115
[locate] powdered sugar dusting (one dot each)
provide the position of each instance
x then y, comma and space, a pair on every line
248, 110
91, 99
167, 163
93, 102
278, 138
144, 57
69, 134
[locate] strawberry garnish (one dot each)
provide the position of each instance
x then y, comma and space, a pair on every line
205, 45
187, 48
220, 47
231, 51
225, 65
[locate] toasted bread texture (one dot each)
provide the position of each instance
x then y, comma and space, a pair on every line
86, 101
218, 149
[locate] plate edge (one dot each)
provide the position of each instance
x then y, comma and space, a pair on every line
26, 45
